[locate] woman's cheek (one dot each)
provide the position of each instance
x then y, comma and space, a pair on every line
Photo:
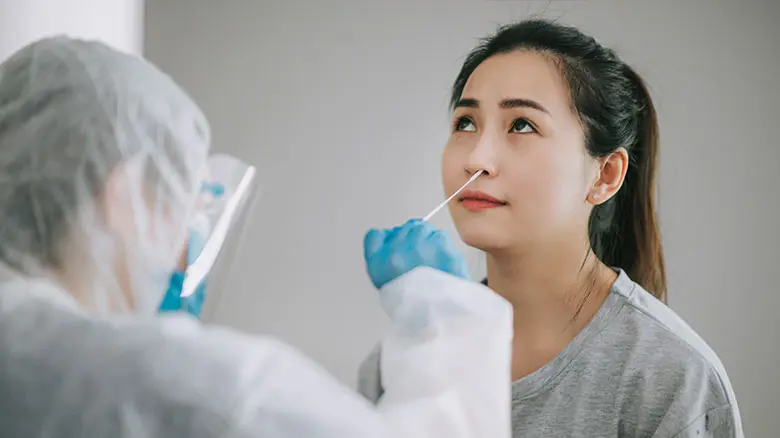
536, 181
560, 180
452, 169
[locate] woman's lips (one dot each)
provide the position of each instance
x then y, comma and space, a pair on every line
479, 201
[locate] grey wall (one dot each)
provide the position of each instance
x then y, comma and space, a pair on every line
343, 107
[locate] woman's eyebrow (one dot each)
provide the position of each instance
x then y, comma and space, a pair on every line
506, 103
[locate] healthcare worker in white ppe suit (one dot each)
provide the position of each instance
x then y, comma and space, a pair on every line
102, 158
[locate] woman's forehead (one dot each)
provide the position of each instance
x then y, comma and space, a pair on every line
519, 75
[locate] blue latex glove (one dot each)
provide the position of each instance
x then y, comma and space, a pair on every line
173, 301
392, 253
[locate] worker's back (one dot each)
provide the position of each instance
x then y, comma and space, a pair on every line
65, 373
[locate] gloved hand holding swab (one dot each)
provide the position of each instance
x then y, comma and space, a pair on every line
391, 253
440, 206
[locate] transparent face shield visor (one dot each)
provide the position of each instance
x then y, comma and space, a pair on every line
219, 223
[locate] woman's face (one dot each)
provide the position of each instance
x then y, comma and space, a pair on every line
515, 121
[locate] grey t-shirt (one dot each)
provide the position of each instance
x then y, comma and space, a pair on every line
637, 370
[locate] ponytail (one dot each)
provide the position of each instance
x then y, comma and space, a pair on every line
632, 241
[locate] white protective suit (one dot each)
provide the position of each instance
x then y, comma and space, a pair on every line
101, 159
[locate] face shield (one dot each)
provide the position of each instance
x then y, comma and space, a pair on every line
218, 224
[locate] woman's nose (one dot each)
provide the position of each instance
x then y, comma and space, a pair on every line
483, 157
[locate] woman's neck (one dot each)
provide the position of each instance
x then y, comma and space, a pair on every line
555, 292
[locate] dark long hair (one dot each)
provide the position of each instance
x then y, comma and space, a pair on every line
615, 109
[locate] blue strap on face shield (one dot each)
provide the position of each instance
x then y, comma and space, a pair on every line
216, 189
172, 300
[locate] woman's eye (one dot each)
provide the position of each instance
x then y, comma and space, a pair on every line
522, 126
465, 124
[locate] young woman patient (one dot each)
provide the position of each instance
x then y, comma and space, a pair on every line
567, 136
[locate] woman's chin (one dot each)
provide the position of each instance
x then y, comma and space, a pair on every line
483, 240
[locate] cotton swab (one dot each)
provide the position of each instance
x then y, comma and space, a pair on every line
436, 210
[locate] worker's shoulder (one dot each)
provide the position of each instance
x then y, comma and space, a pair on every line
72, 362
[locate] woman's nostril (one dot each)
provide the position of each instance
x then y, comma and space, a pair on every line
472, 170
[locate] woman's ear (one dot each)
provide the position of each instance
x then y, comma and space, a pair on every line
612, 173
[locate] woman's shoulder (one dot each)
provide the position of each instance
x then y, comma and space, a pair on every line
646, 320
658, 351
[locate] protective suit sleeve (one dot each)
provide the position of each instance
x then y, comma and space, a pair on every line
446, 359
445, 371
